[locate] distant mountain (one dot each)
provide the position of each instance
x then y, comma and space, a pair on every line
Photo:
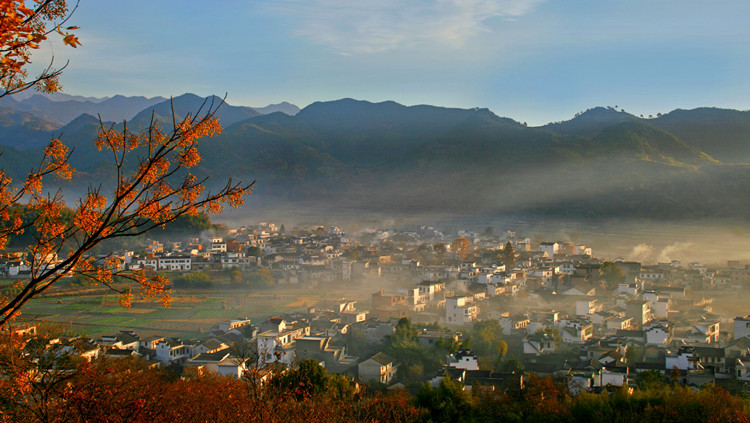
284, 107
356, 155
115, 108
191, 104
722, 133
58, 96
24, 130
590, 122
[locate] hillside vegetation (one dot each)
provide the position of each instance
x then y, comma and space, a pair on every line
388, 157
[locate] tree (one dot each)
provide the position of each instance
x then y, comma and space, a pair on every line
611, 274
23, 27
461, 246
509, 256
310, 379
254, 251
510, 364
651, 379
261, 278
152, 186
447, 403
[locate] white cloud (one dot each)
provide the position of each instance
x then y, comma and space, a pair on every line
366, 26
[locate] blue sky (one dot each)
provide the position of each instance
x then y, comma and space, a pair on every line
531, 60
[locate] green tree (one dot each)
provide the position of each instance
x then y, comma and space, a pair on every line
651, 379
254, 251
611, 275
404, 334
305, 380
447, 403
352, 253
509, 256
260, 278
235, 276
415, 359
510, 364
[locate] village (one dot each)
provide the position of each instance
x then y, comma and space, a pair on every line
479, 308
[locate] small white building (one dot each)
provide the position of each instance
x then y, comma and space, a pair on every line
460, 311
683, 359
742, 327
172, 349
549, 248
463, 359
587, 307
379, 368
538, 344
658, 333
175, 263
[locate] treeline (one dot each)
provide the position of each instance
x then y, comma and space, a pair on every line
257, 277
130, 390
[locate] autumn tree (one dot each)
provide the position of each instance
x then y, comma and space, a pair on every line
461, 246
24, 25
152, 184
152, 187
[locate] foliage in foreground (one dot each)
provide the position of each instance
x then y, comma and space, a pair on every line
46, 385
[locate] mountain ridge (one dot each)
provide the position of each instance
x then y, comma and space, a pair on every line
387, 156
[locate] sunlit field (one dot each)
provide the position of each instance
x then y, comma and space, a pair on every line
192, 312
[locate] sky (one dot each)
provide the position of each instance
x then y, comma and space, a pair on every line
535, 61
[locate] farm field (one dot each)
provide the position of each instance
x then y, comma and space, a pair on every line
192, 312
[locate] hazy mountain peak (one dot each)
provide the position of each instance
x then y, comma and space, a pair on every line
283, 107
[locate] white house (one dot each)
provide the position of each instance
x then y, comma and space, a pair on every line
705, 331
172, 349
587, 307
511, 324
683, 359
227, 325
463, 359
460, 311
175, 263
577, 334
538, 344
378, 368
275, 347
742, 327
658, 333
549, 248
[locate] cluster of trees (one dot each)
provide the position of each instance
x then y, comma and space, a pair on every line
416, 359
129, 390
256, 278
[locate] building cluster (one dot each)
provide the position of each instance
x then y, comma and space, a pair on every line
563, 312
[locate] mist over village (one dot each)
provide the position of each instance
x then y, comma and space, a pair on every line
441, 211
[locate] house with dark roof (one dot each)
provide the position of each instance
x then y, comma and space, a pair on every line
379, 368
